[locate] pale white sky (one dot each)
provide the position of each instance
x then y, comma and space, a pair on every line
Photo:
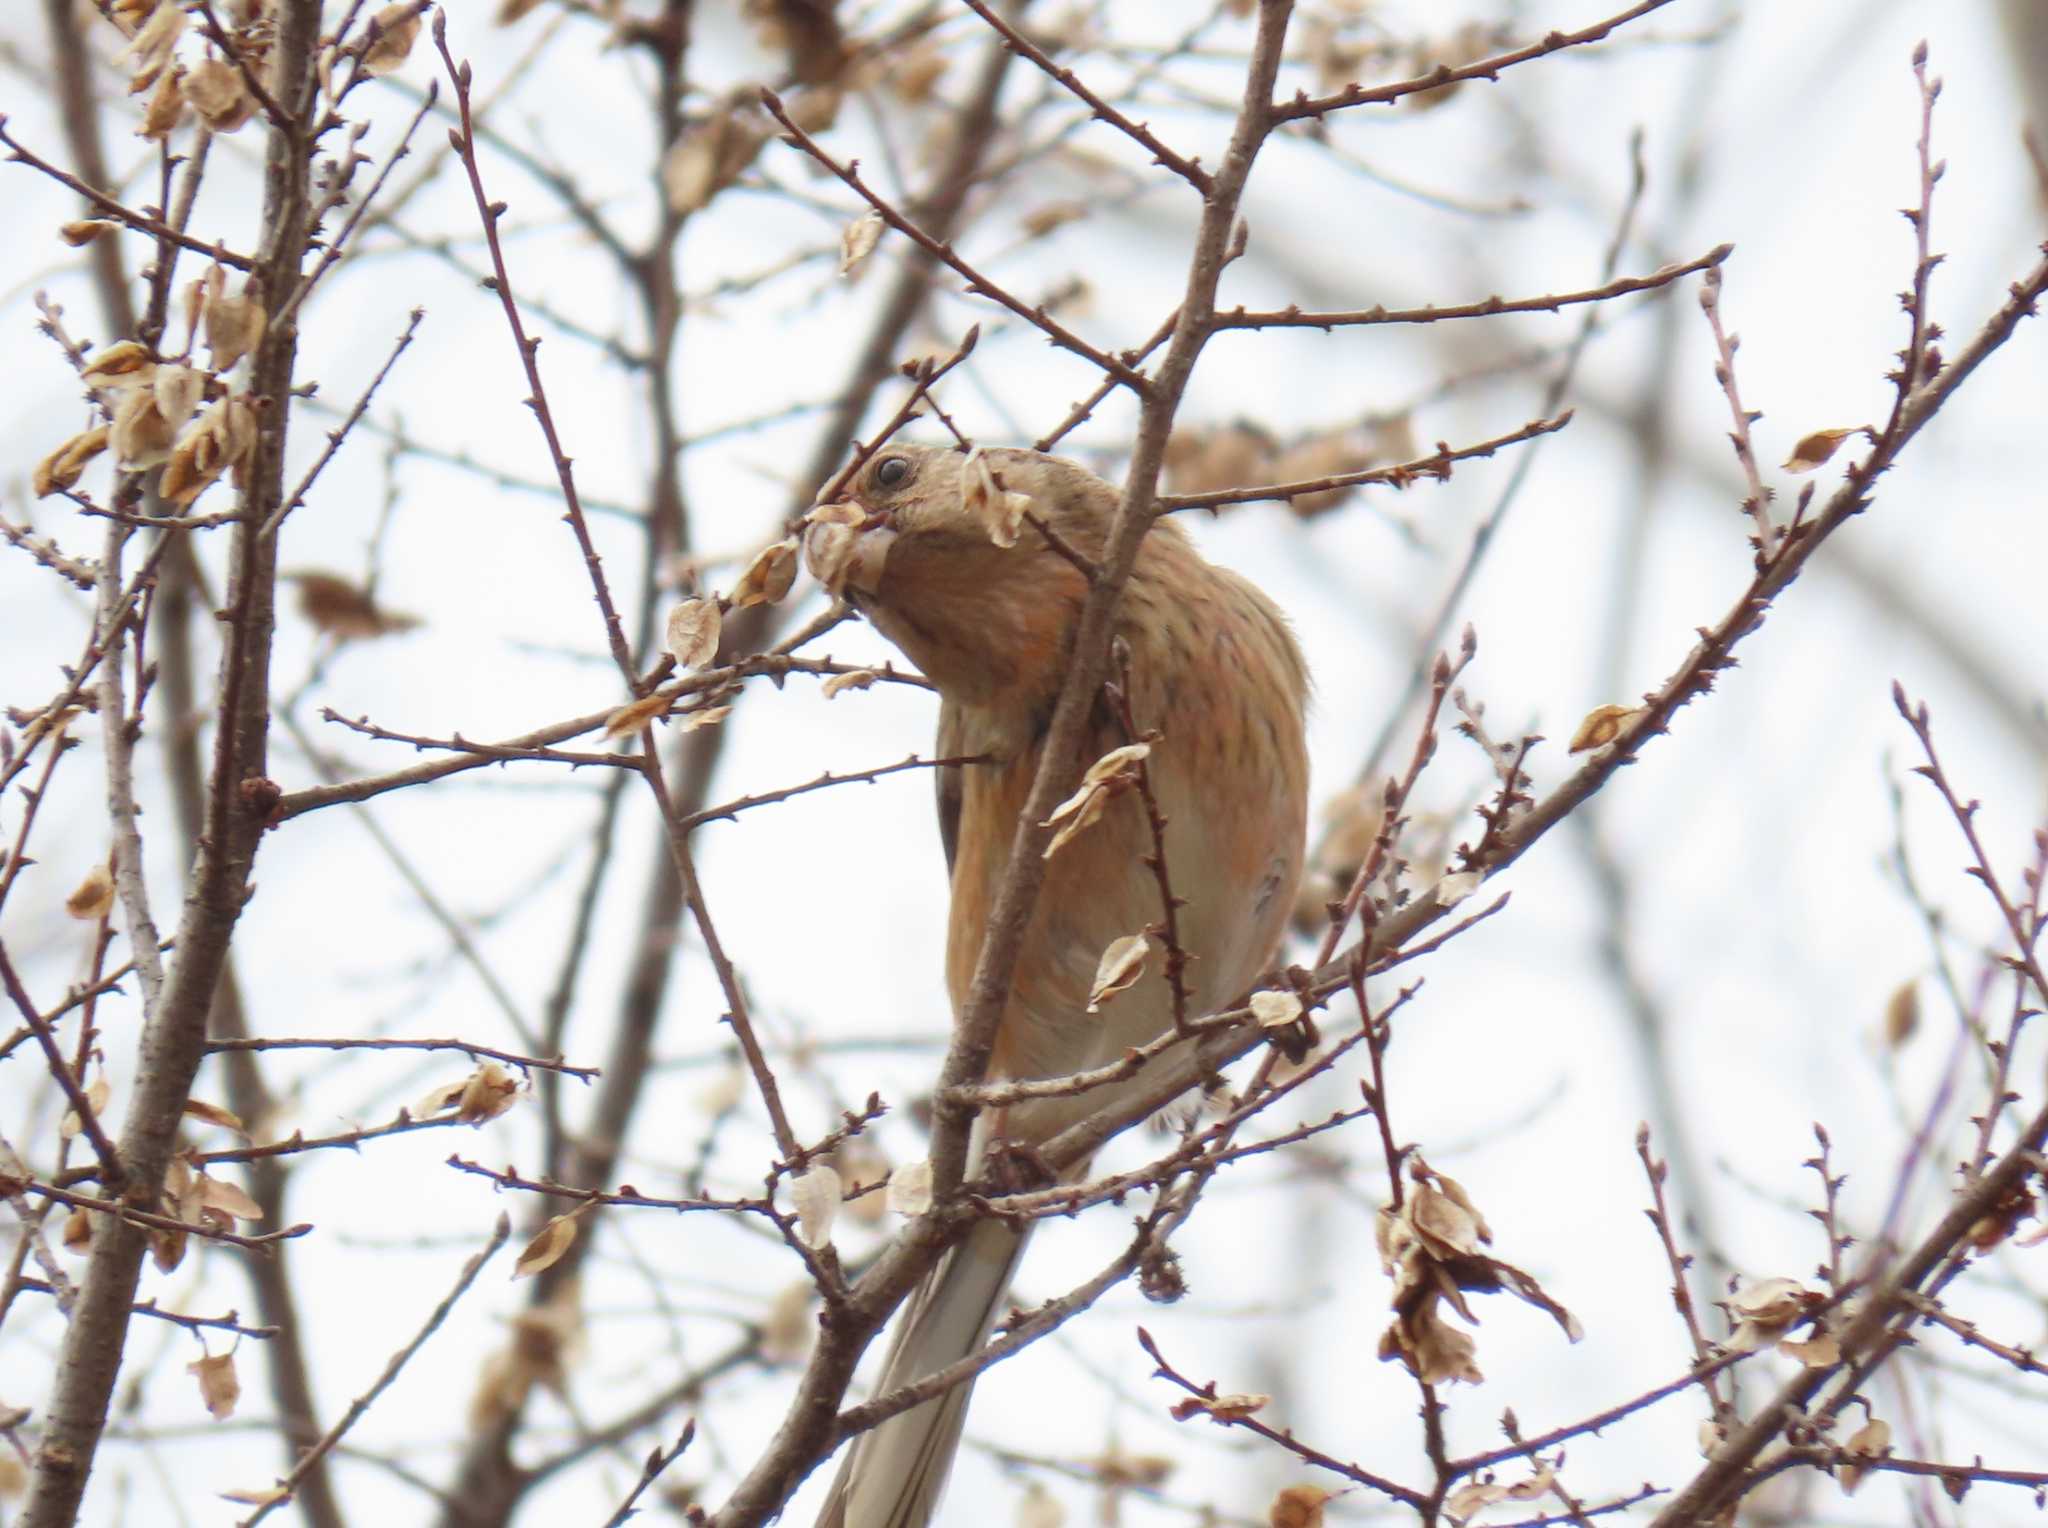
1765, 923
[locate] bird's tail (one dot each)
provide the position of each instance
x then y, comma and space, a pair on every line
894, 1473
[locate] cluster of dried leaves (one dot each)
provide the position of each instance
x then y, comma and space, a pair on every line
1433, 1244
163, 412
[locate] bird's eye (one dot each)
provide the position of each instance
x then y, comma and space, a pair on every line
894, 472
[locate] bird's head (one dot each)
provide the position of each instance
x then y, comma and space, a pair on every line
936, 548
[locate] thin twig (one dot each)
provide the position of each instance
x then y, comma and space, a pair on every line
397, 1363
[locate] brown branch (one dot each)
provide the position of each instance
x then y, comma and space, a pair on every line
726, 811
281, 121
1168, 926
738, 1013
340, 433
47, 553
231, 1322
489, 212
1694, 676
1679, 1263
1189, 170
942, 251
1083, 411
172, 1041
1485, 69
806, 1432
1757, 503
397, 1363
156, 228
75, 997
2020, 1358
128, 1215
1865, 1340
60, 1071
657, 1463
1437, 465
489, 1483
1356, 1474
510, 1058
343, 241
627, 1197
534, 745
1491, 307
2025, 957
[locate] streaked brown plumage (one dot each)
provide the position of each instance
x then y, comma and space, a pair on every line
1215, 669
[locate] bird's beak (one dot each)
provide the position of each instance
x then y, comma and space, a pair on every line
845, 545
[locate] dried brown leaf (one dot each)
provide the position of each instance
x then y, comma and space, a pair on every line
93, 898
167, 1249
1763, 1308
914, 73
1104, 778
1873, 1440
166, 108
910, 1187
122, 365
1119, 1469
1601, 726
858, 240
214, 1114
767, 578
1455, 888
1221, 1408
221, 439
228, 1198
141, 436
858, 679
629, 719
1219, 459
703, 716
219, 1387
398, 28
178, 390
97, 1092
1820, 1351
62, 467
1322, 456
258, 1498
1901, 1014
984, 496
1813, 450
1274, 1009
152, 42
214, 89
709, 157
345, 611
691, 635
548, 1246
439, 1101
487, 1092
233, 322
816, 1196
1297, 1507
1468, 1501
1122, 964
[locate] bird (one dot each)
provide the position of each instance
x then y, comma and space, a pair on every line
971, 562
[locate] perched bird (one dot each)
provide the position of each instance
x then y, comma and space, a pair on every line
937, 549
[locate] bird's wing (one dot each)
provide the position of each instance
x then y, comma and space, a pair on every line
946, 781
